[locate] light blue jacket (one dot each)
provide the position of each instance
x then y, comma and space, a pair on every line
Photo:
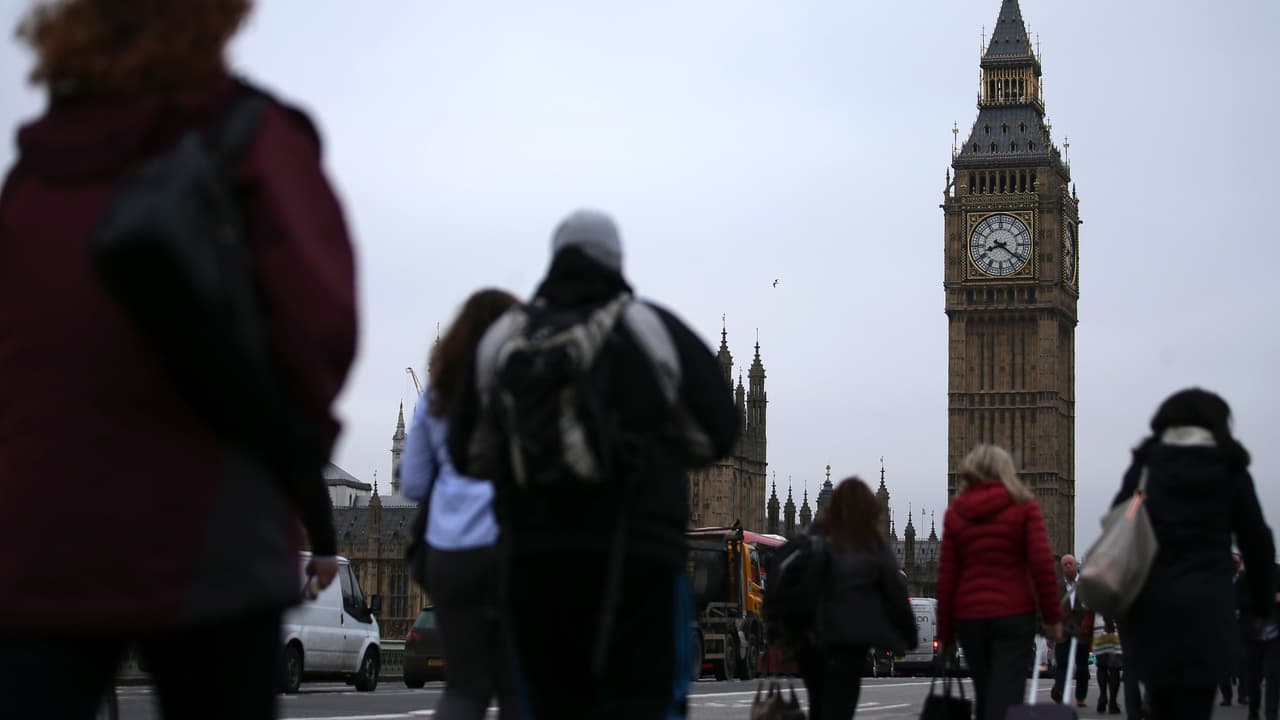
461, 514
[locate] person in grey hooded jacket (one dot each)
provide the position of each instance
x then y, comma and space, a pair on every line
597, 593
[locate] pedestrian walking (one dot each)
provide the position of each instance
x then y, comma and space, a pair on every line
1077, 622
863, 604
1180, 633
155, 528
1264, 662
1246, 670
1109, 658
462, 532
587, 409
1137, 698
994, 574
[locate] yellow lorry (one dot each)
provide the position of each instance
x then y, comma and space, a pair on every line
727, 571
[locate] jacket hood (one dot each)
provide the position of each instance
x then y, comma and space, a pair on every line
982, 501
576, 280
79, 140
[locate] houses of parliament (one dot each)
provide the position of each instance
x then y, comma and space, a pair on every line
1011, 271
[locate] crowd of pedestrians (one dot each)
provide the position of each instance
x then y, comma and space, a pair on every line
558, 427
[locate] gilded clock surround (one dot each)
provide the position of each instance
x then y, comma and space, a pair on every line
1070, 258
1028, 269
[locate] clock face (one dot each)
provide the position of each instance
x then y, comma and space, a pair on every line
1069, 253
1000, 245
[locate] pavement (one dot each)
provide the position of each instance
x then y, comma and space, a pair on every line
1231, 712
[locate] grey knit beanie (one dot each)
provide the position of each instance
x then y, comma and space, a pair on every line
592, 232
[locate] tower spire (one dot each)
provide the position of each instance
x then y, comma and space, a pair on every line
397, 449
1009, 38
725, 357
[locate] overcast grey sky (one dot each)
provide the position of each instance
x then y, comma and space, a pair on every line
739, 142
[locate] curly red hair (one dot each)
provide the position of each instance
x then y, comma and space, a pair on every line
113, 48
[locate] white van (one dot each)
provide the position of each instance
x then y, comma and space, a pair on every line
925, 611
334, 636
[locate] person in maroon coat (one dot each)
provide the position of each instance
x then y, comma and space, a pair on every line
123, 519
995, 572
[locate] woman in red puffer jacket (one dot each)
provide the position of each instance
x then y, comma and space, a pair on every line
996, 569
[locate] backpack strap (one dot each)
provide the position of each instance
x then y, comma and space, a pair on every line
228, 138
651, 334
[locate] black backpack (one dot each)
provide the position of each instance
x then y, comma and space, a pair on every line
549, 396
171, 250
794, 585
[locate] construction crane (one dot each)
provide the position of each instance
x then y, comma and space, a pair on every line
417, 386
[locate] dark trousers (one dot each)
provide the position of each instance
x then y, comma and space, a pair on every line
1109, 668
1172, 702
1132, 694
478, 661
1061, 651
999, 651
224, 669
555, 608
833, 677
1263, 665
1225, 687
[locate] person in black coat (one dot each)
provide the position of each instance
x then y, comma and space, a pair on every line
1180, 634
864, 603
1262, 650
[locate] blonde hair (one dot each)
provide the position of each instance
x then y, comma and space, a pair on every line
991, 462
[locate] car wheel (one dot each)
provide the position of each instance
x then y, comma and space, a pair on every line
292, 669
727, 669
750, 662
414, 681
367, 678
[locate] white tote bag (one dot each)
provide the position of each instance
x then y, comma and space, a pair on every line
1117, 565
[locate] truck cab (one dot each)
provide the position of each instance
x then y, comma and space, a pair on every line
727, 571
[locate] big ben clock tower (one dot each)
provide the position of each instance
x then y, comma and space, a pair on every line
1011, 281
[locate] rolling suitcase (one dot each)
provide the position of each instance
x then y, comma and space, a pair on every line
1047, 711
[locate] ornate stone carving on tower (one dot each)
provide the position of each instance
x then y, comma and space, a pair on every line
882, 494
774, 526
789, 514
397, 449
918, 557
733, 489
806, 514
824, 495
909, 545
1011, 283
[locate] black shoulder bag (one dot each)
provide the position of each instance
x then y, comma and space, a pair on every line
416, 551
171, 250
